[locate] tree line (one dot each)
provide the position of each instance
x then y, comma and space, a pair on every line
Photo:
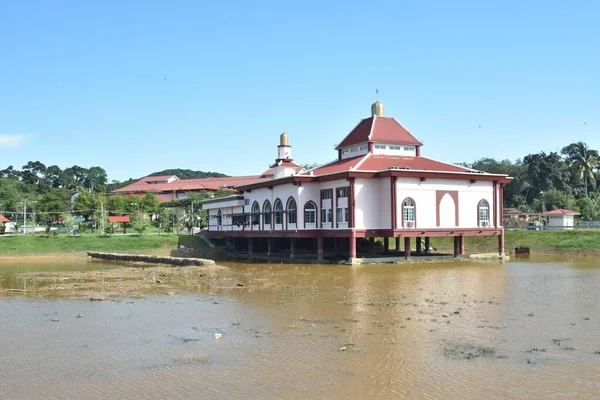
569, 179
542, 181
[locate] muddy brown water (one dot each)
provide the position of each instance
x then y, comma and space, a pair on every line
525, 329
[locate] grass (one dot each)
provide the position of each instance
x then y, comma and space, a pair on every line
48, 245
587, 240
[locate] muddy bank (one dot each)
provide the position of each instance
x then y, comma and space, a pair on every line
121, 281
142, 258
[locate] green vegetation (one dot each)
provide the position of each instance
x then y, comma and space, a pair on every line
61, 244
539, 241
546, 181
188, 173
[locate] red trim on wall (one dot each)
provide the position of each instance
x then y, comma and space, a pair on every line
352, 203
439, 194
501, 213
394, 205
370, 144
494, 204
402, 211
418, 151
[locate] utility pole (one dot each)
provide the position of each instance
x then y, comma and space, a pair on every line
24, 217
101, 217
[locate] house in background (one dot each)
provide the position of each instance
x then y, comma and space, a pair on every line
169, 187
561, 219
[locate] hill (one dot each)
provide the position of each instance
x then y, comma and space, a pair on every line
188, 173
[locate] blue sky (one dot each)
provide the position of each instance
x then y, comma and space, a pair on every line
139, 86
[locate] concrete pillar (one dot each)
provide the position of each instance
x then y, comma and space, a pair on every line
501, 243
250, 246
406, 247
352, 246
427, 246
372, 246
320, 248
292, 247
456, 246
398, 243
419, 245
462, 245
386, 244
269, 246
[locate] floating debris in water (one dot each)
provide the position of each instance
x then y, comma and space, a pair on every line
218, 336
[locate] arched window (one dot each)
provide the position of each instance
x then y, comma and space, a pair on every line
291, 211
310, 213
219, 217
408, 214
267, 213
484, 214
255, 217
278, 210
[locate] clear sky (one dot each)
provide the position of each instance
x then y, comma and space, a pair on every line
140, 86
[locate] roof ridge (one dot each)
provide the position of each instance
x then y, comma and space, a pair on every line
407, 131
372, 126
351, 131
357, 166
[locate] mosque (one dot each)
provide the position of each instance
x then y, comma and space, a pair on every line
380, 186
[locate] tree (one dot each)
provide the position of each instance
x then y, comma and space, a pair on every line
588, 208
150, 204
117, 204
584, 161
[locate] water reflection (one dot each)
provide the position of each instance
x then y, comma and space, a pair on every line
451, 331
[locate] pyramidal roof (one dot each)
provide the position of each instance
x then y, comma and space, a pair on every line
379, 129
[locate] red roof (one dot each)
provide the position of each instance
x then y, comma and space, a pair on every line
212, 183
561, 211
372, 162
379, 129
122, 218
4, 219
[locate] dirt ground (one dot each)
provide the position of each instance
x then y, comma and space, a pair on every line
131, 280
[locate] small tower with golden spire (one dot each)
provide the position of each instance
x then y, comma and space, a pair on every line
284, 150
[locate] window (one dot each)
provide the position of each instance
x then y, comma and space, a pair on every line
484, 214
255, 213
246, 202
219, 217
380, 146
395, 148
410, 148
363, 148
267, 213
343, 192
291, 211
326, 215
408, 213
278, 210
326, 195
342, 214
346, 151
354, 149
310, 213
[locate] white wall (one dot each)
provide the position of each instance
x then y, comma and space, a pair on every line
354, 151
394, 149
373, 199
424, 195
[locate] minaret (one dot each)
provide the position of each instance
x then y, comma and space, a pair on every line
284, 150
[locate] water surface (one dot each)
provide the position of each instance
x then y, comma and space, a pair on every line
523, 329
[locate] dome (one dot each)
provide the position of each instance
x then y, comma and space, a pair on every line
377, 109
283, 140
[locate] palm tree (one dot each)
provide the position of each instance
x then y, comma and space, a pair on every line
584, 160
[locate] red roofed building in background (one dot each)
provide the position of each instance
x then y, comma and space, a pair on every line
379, 186
561, 219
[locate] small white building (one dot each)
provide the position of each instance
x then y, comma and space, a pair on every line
378, 186
561, 219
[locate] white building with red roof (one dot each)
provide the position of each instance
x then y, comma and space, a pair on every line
379, 186
561, 218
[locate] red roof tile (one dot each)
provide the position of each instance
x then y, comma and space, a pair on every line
189, 184
116, 218
4, 219
561, 211
379, 129
381, 162
337, 166
372, 162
